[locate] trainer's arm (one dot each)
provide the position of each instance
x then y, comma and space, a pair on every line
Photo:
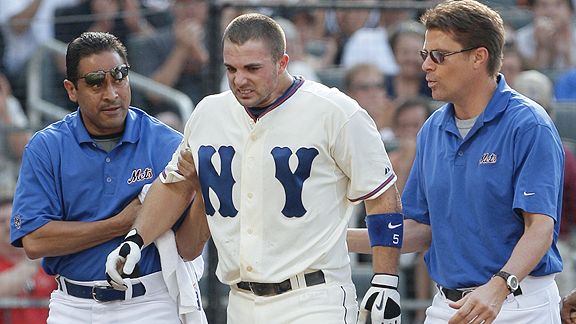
417, 238
384, 258
533, 244
58, 238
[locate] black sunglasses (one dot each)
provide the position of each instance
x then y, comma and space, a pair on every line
96, 78
439, 56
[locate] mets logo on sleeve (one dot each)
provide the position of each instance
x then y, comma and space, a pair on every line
488, 158
140, 175
18, 222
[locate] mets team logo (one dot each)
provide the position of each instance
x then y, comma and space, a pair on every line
140, 175
488, 158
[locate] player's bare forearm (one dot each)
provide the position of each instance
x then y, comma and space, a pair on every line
66, 237
194, 232
163, 205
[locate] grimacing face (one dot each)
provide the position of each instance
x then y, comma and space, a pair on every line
253, 75
103, 107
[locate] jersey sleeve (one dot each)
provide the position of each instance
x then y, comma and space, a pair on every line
361, 155
171, 173
539, 178
36, 200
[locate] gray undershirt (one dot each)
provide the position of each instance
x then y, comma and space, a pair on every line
107, 144
465, 125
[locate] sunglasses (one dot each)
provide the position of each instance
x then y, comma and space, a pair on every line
438, 57
96, 78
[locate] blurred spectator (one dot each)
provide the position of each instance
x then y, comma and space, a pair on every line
365, 83
122, 18
538, 87
342, 23
19, 276
26, 25
370, 45
299, 63
549, 42
320, 49
512, 64
408, 118
13, 135
565, 86
406, 42
175, 55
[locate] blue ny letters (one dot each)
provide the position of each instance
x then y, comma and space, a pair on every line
222, 183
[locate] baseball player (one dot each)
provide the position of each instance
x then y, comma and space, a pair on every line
485, 190
281, 161
76, 196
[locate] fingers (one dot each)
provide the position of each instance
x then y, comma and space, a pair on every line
113, 263
132, 253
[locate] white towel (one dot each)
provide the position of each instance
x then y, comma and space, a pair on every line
181, 276
182, 279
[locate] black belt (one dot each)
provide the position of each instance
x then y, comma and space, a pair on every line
101, 293
455, 294
271, 289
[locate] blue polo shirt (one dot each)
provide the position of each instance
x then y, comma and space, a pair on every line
65, 177
471, 191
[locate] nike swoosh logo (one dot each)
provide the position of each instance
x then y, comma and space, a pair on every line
379, 306
390, 226
529, 193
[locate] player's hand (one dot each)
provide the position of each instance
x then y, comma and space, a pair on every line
187, 168
122, 261
382, 301
568, 309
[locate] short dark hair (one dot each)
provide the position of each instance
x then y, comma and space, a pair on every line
87, 44
255, 26
472, 24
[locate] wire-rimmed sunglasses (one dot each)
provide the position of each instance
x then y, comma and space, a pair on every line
96, 78
439, 56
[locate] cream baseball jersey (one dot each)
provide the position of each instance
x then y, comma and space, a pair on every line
279, 190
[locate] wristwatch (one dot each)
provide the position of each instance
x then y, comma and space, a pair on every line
511, 280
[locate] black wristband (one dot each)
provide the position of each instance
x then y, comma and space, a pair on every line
133, 236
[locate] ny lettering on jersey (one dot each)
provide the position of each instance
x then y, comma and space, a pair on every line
222, 183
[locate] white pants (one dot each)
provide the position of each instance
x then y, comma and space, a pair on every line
325, 304
539, 303
155, 307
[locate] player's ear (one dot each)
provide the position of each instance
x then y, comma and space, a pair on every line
71, 90
283, 63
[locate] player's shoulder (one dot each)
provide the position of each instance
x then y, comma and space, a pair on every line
216, 103
327, 97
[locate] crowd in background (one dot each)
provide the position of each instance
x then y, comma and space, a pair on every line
372, 55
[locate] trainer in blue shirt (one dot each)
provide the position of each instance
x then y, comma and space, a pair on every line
483, 198
77, 193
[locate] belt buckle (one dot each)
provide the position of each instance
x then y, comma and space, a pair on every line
258, 289
96, 287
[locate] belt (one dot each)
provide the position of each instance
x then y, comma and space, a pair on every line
100, 293
455, 294
271, 289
